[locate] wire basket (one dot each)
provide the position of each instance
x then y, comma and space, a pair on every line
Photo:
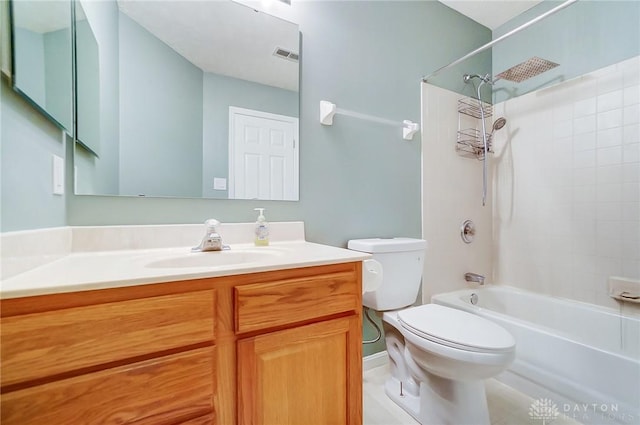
471, 107
471, 145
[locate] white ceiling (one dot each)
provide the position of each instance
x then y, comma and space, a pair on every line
490, 13
222, 37
232, 39
228, 38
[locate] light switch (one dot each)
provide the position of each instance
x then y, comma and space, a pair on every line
219, 183
58, 175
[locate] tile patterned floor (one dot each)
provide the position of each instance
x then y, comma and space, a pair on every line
506, 405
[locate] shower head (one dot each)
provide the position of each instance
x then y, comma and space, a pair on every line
527, 69
498, 124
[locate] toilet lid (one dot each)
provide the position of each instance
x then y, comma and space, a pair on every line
455, 328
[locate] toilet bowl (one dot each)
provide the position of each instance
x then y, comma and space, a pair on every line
447, 353
468, 348
439, 356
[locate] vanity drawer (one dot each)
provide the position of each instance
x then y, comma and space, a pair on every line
167, 390
42, 345
283, 302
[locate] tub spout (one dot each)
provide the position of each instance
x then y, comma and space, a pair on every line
474, 277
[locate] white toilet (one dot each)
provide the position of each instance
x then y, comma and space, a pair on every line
439, 356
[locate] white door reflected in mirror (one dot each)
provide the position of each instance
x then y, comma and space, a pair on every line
263, 155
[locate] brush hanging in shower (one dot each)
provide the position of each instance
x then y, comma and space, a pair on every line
470, 143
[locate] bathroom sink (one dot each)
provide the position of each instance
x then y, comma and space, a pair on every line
213, 259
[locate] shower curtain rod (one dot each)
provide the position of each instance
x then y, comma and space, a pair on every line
499, 39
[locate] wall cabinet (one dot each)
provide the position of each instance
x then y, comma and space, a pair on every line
281, 347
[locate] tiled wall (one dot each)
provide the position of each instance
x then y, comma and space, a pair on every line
567, 186
451, 194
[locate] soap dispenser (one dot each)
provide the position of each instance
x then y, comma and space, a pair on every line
261, 229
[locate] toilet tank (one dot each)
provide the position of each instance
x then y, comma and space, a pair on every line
402, 262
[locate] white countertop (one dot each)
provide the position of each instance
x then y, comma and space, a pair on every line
82, 271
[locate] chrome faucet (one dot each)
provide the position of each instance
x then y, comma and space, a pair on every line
212, 241
474, 277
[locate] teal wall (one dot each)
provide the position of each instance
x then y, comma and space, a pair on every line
43, 71
57, 77
27, 141
101, 175
150, 72
220, 92
357, 178
583, 37
88, 86
30, 64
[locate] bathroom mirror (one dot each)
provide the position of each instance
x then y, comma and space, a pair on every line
42, 64
186, 99
87, 83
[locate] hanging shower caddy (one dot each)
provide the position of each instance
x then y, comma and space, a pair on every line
470, 143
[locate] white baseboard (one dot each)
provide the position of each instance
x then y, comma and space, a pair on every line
374, 360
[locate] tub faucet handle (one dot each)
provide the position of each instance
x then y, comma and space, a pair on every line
474, 277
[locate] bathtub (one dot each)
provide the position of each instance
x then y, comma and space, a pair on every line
582, 357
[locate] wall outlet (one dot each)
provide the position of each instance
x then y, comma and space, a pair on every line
57, 175
219, 183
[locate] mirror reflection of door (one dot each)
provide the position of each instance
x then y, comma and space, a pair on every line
263, 155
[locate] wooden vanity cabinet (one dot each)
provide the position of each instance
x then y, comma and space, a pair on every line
164, 390
281, 347
143, 355
307, 374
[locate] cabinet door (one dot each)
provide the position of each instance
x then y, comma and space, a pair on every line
306, 375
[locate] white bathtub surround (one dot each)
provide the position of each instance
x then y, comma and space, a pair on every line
565, 218
451, 194
116, 256
567, 186
566, 195
575, 354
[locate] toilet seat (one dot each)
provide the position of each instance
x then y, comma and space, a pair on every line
456, 329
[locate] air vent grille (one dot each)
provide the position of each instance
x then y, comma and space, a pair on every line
286, 54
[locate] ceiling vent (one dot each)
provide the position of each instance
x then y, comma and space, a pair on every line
285, 54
